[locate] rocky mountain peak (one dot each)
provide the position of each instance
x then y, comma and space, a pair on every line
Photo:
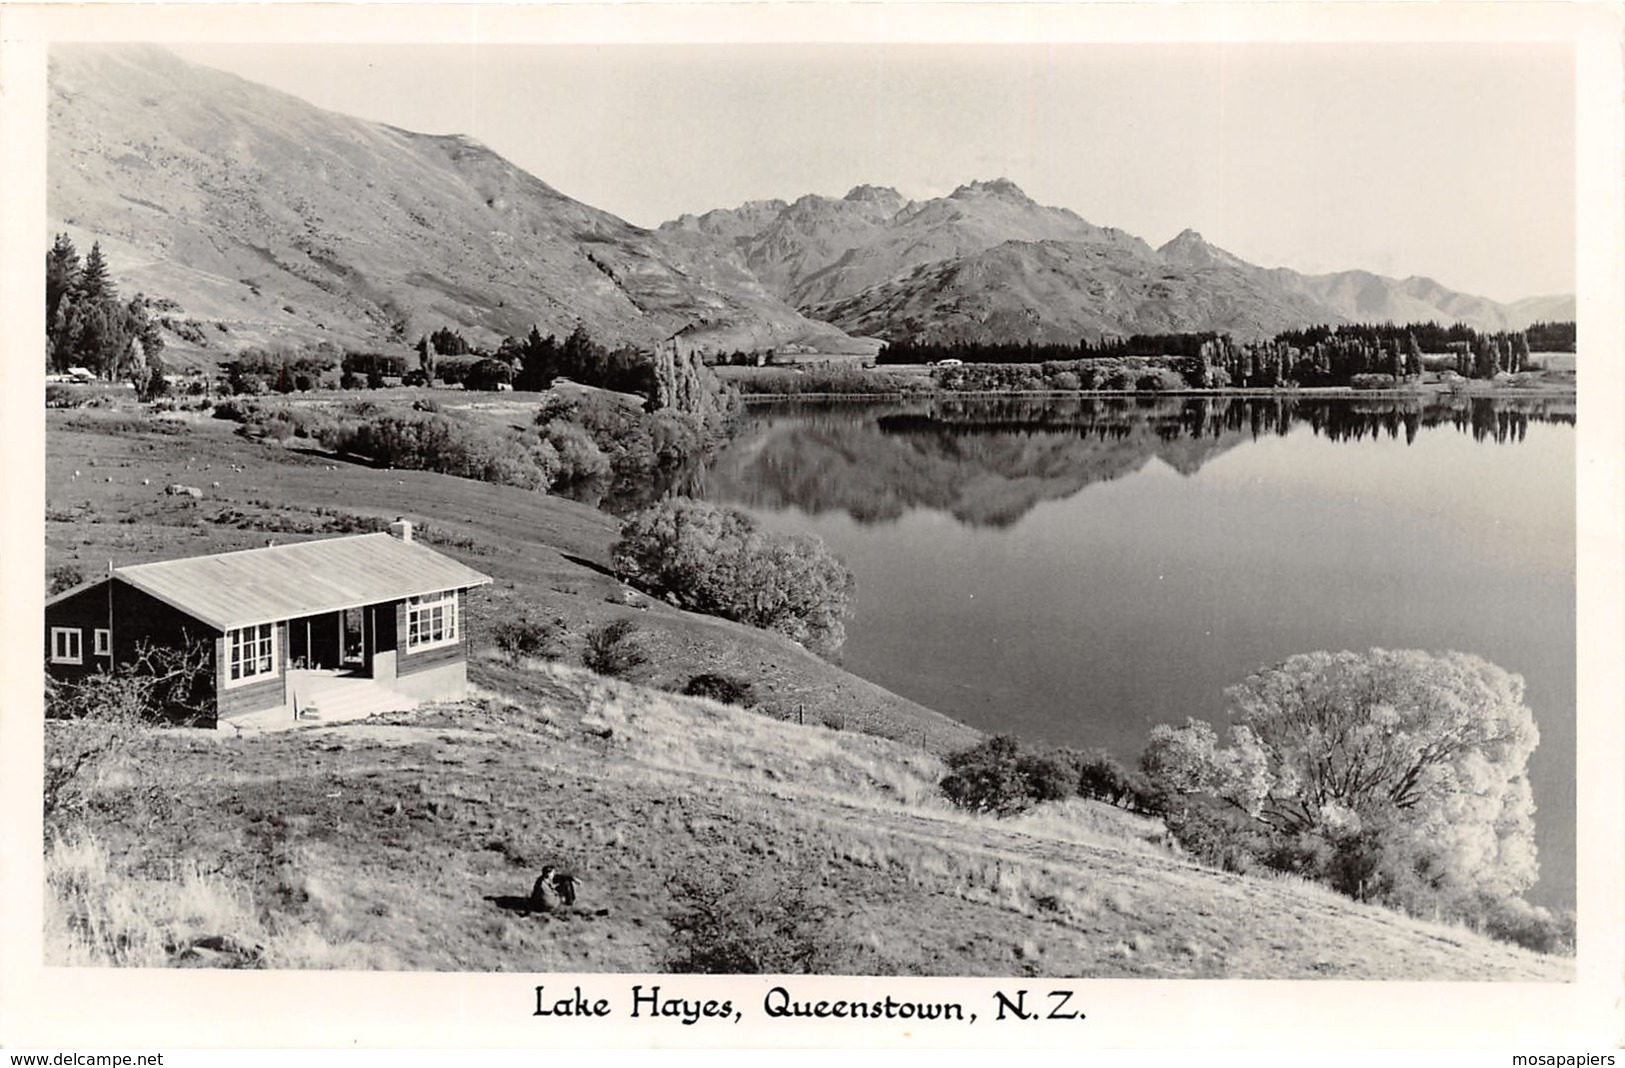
871, 193
1002, 188
1190, 249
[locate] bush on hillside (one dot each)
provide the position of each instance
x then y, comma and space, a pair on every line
995, 776
716, 560
758, 925
62, 577
579, 459
235, 409
728, 689
600, 435
523, 636
430, 441
1532, 926
613, 649
1102, 778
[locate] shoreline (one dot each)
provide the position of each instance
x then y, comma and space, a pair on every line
1312, 392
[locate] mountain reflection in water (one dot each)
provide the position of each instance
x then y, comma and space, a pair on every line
987, 461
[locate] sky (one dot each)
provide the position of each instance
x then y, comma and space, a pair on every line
1454, 161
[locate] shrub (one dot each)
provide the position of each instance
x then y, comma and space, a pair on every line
1102, 778
1159, 380
238, 411
157, 684
429, 441
1045, 778
613, 650
1372, 381
454, 370
526, 636
1531, 926
716, 560
91, 722
577, 457
758, 925
281, 422
61, 396
1221, 838
488, 375
63, 577
987, 778
727, 689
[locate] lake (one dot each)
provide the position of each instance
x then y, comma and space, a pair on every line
1074, 571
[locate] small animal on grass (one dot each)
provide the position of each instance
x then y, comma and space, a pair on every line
552, 889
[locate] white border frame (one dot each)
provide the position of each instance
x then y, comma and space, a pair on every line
93, 1007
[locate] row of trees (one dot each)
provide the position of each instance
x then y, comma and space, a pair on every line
87, 325
1315, 356
1551, 337
533, 362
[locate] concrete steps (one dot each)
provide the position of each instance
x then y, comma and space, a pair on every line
333, 699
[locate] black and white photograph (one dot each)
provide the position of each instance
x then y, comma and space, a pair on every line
814, 525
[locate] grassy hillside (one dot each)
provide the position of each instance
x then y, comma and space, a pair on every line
409, 841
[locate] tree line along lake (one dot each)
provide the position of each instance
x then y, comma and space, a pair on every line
1075, 570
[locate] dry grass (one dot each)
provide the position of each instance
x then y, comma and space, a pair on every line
405, 841
99, 915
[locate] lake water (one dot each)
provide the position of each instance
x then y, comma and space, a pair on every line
1075, 571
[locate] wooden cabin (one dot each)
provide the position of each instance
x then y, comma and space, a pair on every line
366, 622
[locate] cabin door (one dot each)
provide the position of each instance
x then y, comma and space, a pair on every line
353, 631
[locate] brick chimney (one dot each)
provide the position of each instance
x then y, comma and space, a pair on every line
402, 529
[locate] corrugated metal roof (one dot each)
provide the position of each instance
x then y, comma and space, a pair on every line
299, 579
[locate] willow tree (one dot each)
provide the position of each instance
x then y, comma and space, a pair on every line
1405, 767
718, 561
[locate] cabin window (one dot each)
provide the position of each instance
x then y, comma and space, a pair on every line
252, 652
67, 645
104, 642
431, 620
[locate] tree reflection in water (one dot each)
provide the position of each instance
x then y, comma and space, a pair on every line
989, 460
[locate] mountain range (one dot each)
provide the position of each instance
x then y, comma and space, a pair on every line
268, 218
988, 263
